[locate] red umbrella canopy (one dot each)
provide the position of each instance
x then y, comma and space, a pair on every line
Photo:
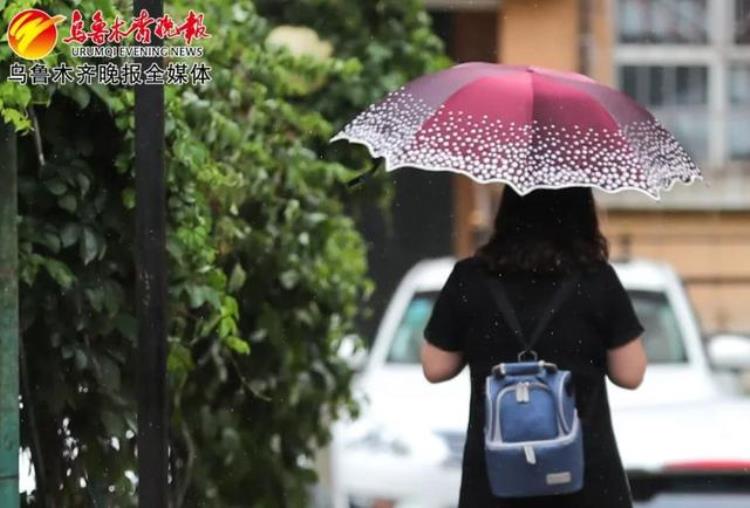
528, 127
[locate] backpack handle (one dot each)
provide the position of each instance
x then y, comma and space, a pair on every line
535, 357
521, 368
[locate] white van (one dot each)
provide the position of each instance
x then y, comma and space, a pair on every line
405, 449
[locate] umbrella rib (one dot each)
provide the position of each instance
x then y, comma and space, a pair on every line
526, 167
596, 103
453, 94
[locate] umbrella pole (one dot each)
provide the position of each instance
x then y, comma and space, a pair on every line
151, 282
9, 336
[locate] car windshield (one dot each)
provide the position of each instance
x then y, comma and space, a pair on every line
663, 338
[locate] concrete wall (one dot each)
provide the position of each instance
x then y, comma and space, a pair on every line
710, 250
541, 33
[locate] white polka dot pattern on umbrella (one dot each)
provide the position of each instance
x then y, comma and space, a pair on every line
408, 132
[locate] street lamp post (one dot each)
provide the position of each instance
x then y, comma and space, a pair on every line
151, 284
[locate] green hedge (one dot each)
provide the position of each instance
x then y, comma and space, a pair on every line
267, 269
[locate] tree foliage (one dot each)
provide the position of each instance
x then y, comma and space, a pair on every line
267, 270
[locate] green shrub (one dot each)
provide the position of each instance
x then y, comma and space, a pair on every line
267, 269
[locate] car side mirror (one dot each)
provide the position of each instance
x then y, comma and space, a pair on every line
729, 352
353, 351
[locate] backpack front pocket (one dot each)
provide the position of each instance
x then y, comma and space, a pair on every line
526, 412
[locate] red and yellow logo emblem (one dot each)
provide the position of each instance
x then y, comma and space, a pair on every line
32, 34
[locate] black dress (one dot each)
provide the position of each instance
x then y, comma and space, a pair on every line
596, 316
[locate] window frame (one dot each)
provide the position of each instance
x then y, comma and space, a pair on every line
717, 55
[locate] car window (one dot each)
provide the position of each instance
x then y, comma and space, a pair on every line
663, 337
408, 338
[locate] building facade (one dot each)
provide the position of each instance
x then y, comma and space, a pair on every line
688, 61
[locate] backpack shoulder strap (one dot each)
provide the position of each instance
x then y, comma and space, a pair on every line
509, 314
506, 309
566, 286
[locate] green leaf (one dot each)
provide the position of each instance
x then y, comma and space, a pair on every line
59, 272
89, 246
51, 241
199, 295
227, 327
56, 186
113, 296
14, 94
237, 345
237, 278
84, 184
81, 359
68, 203
127, 325
18, 119
128, 198
81, 95
69, 234
309, 475
180, 358
95, 296
67, 352
289, 279
109, 373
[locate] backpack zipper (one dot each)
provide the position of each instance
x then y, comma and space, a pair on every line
522, 392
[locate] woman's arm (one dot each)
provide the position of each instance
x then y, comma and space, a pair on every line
626, 365
440, 365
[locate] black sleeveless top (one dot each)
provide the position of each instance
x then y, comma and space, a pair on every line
595, 316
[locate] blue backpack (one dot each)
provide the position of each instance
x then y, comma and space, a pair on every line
532, 434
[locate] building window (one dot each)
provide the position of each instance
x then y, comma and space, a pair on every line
739, 120
742, 21
677, 95
663, 21
688, 61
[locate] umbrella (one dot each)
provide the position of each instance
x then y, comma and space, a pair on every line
528, 127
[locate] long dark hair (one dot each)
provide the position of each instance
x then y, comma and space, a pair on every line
545, 231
